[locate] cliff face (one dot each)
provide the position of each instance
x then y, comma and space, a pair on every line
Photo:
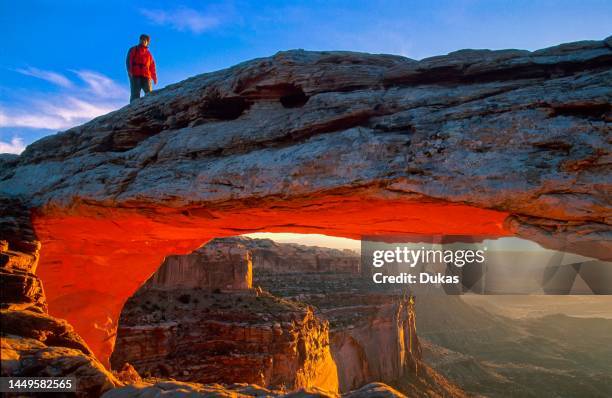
214, 266
290, 257
381, 347
173, 327
33, 343
195, 336
494, 143
199, 335
372, 329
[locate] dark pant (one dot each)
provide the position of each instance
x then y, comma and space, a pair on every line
138, 83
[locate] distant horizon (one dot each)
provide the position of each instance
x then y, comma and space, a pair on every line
334, 242
53, 79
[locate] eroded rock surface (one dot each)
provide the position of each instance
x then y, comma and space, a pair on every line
206, 337
174, 389
372, 328
217, 265
33, 343
222, 332
200, 335
512, 131
492, 143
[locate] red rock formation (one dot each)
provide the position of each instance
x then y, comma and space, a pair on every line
33, 343
476, 142
199, 336
81, 274
214, 266
197, 319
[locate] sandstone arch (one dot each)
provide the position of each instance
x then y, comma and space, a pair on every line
495, 143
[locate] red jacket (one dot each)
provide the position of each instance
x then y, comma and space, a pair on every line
140, 63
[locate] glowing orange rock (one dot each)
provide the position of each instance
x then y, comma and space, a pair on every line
91, 264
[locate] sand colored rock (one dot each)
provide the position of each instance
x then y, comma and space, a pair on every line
216, 265
291, 257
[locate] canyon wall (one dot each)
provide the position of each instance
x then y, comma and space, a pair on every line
205, 337
214, 266
271, 256
383, 347
490, 143
222, 331
33, 343
196, 334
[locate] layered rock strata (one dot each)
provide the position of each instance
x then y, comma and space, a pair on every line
216, 265
205, 337
198, 335
492, 143
372, 328
271, 256
33, 343
222, 332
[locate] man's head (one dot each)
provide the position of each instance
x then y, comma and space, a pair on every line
145, 40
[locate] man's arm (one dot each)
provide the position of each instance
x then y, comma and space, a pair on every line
152, 70
128, 62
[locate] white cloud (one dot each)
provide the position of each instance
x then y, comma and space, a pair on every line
74, 110
101, 85
16, 146
50, 76
72, 104
61, 112
182, 19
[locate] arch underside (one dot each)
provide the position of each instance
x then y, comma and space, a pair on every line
93, 259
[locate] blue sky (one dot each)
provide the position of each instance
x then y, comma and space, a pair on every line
63, 62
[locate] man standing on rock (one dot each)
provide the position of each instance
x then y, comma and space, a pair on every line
141, 68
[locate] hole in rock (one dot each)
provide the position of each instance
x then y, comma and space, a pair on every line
229, 108
230, 301
294, 97
590, 111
